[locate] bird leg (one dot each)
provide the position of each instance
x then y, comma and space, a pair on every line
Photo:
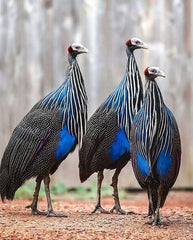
156, 220
98, 207
33, 205
50, 212
150, 210
117, 206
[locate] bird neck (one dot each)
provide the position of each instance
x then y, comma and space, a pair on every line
71, 58
71, 100
153, 100
154, 116
127, 98
129, 52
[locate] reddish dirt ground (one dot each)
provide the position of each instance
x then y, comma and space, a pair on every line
16, 222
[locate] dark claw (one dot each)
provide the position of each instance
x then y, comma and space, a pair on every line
100, 209
118, 209
150, 213
55, 214
51, 213
30, 206
35, 211
156, 223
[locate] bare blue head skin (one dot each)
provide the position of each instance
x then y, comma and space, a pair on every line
135, 43
152, 72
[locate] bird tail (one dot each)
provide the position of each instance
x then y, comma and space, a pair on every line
8, 186
163, 199
83, 174
4, 183
155, 198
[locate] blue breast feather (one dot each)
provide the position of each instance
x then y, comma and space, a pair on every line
142, 165
163, 163
120, 146
65, 143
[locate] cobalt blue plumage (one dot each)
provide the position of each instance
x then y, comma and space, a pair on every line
155, 145
120, 145
65, 143
46, 135
106, 143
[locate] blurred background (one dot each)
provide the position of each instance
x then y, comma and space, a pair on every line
34, 36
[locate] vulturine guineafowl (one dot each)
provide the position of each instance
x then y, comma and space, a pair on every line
106, 142
46, 135
155, 145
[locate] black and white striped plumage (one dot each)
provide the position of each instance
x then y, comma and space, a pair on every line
106, 142
155, 145
46, 135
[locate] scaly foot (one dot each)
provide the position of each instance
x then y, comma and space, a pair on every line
119, 210
52, 213
100, 209
34, 210
156, 223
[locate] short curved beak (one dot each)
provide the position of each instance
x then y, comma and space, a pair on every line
161, 74
84, 50
145, 46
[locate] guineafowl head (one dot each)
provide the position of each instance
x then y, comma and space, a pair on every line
152, 72
77, 48
135, 43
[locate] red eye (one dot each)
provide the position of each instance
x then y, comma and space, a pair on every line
77, 47
137, 42
153, 71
